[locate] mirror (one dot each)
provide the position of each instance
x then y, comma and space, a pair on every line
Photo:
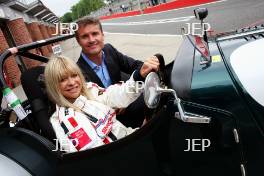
152, 93
200, 13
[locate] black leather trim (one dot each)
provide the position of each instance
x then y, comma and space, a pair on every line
181, 75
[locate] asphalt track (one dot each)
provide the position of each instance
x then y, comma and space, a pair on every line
224, 15
170, 5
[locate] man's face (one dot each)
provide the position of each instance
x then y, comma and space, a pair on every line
91, 39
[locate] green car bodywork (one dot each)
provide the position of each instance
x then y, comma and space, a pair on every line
215, 85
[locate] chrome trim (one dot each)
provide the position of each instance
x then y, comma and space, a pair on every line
244, 34
182, 115
236, 135
243, 171
192, 118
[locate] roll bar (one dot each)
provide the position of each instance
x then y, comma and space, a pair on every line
23, 51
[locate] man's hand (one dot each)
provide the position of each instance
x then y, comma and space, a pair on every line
151, 64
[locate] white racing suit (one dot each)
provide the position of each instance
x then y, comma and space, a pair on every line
96, 124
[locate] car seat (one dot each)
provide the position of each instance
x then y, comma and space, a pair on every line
33, 84
144, 142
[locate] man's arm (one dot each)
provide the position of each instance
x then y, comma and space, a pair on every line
120, 96
127, 64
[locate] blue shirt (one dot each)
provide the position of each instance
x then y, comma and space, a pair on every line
100, 70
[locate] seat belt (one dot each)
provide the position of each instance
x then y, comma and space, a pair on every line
94, 120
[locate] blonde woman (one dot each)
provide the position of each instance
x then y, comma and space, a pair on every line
85, 115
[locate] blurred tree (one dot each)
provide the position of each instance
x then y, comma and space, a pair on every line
67, 17
75, 14
82, 8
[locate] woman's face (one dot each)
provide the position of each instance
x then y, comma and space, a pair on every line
70, 87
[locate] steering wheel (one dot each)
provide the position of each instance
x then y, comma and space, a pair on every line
161, 72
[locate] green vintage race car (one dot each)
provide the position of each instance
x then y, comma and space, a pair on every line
206, 108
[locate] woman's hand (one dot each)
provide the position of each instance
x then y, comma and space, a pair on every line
151, 64
13, 50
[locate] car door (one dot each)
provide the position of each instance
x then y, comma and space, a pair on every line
201, 148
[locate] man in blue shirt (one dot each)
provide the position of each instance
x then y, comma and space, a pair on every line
103, 64
100, 70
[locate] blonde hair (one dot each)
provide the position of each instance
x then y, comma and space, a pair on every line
55, 70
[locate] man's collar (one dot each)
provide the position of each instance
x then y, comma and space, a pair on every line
91, 63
